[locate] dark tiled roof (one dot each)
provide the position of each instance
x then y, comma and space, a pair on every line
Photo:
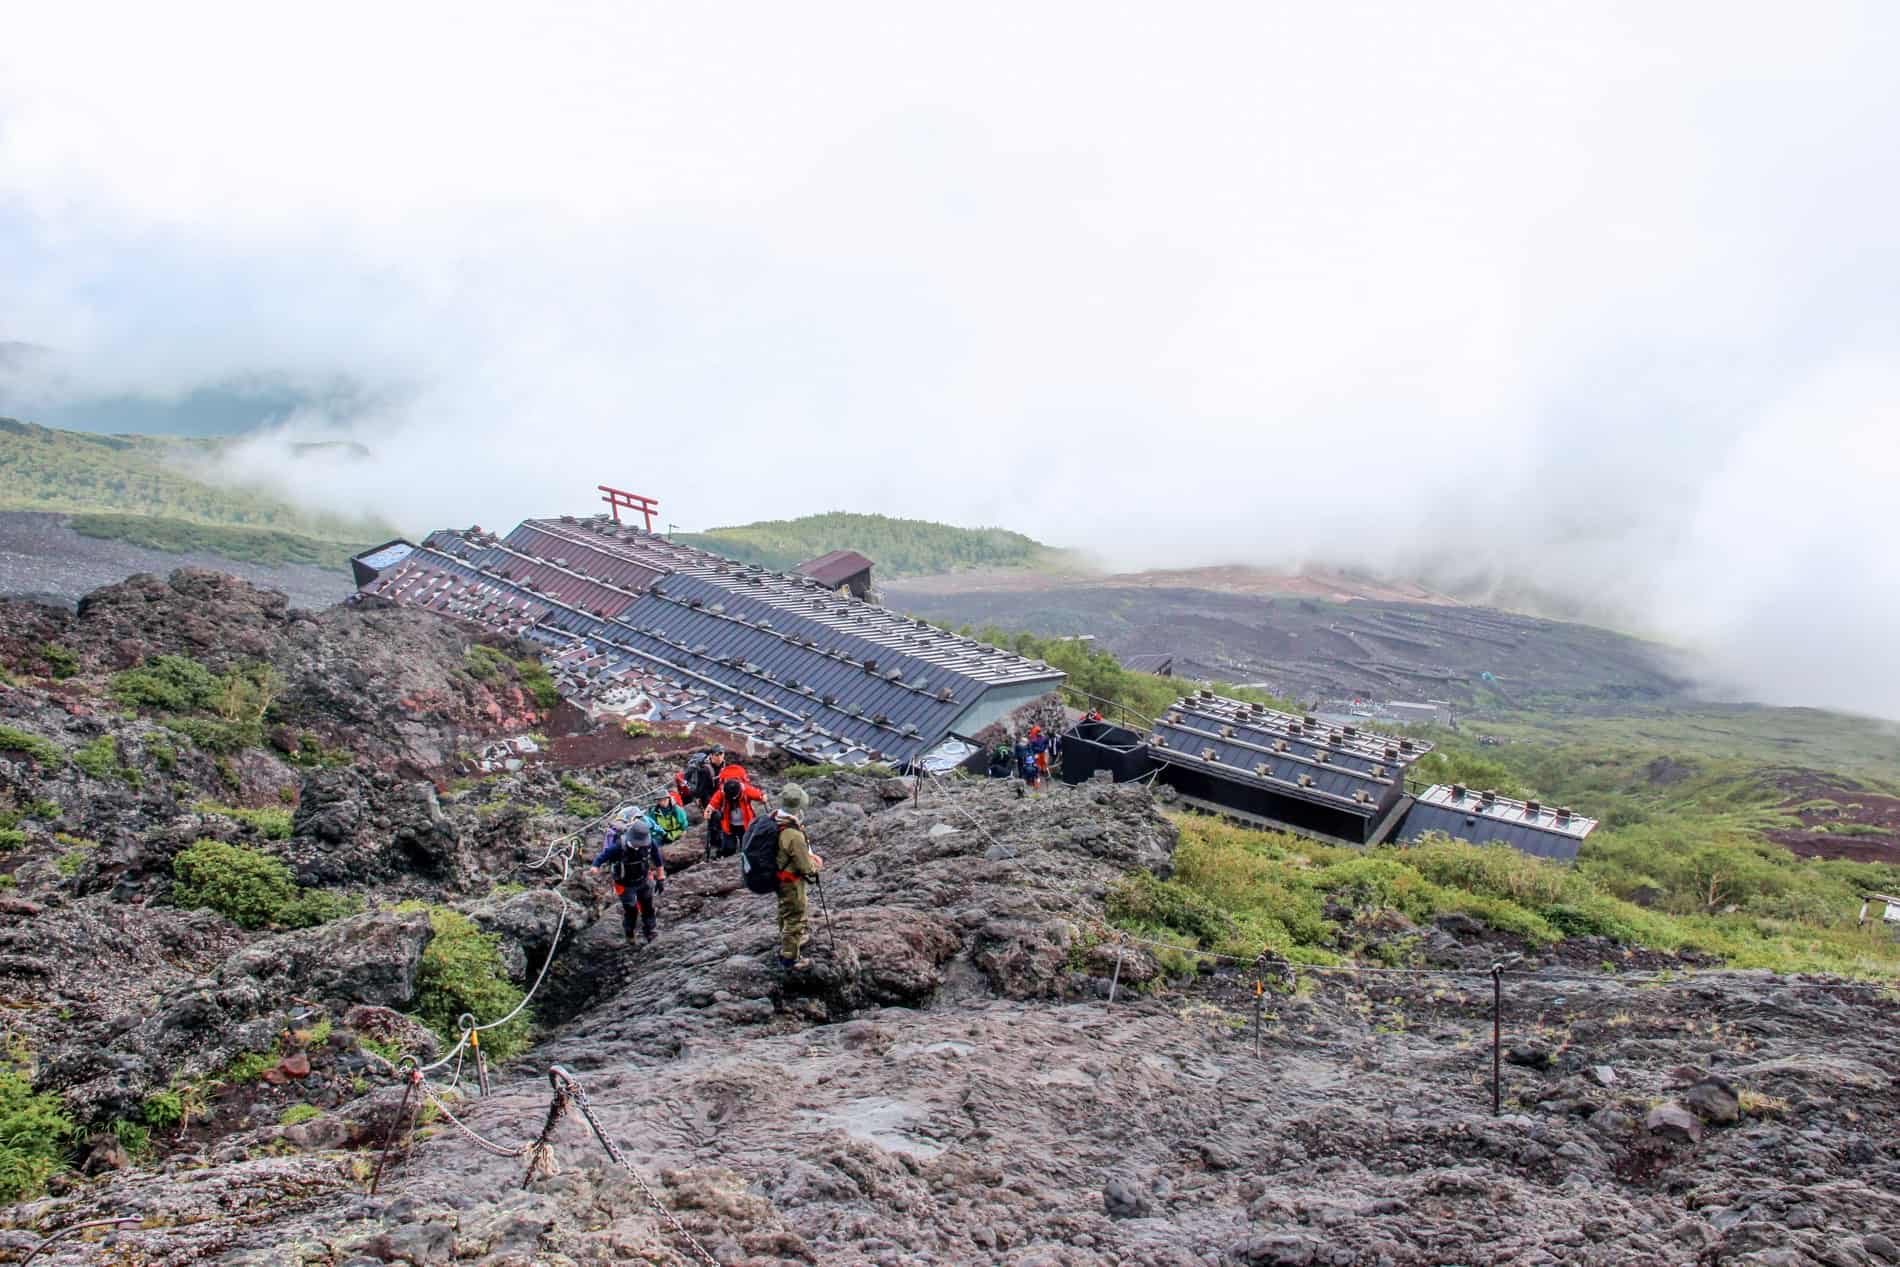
623, 615
836, 568
1252, 744
1149, 662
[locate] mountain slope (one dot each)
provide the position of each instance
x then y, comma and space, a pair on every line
898, 547
162, 492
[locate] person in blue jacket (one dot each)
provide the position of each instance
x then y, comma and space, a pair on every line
636, 863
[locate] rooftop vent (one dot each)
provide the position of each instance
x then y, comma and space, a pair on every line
1378, 772
1405, 745
1280, 745
1457, 792
1310, 720
1263, 769
1158, 739
1226, 732
1210, 754
1322, 756
829, 700
1306, 780
1488, 798
870, 666
1532, 808
1391, 753
1360, 795
1352, 732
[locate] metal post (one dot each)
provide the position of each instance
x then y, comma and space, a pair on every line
1258, 989
1497, 1039
389, 1140
1114, 980
826, 908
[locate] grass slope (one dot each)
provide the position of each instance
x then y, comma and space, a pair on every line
159, 492
898, 547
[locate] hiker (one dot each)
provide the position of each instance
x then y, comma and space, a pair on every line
701, 775
1039, 745
1094, 714
730, 811
1000, 760
796, 864
666, 820
1026, 765
636, 864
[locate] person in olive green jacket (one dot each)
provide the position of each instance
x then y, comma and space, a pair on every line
796, 864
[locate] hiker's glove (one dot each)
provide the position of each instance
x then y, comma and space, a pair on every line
817, 863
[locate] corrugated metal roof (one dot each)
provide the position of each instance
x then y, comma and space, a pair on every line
1483, 829
836, 568
1254, 744
1160, 662
1461, 799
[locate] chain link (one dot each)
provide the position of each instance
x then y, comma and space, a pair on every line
519, 1150
558, 1075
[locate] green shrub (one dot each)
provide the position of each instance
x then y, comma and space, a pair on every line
100, 758
634, 728
298, 1113
538, 683
167, 684
583, 806
162, 753
34, 1131
247, 1066
270, 822
60, 660
251, 889
462, 972
208, 734
41, 752
134, 1137
11, 838
484, 664
163, 1110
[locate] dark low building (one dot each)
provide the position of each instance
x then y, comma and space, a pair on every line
1283, 771
844, 570
1159, 663
1485, 818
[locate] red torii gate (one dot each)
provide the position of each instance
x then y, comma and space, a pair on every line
619, 499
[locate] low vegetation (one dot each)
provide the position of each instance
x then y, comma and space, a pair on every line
34, 1129
1242, 892
220, 713
462, 971
250, 888
271, 822
166, 492
1097, 680
248, 545
897, 547
487, 665
42, 752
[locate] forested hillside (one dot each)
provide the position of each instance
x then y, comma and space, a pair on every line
157, 491
899, 547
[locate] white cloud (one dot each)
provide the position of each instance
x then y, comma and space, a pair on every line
1586, 295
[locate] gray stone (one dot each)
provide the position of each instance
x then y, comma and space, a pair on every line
1671, 1121
1714, 1101
1122, 1198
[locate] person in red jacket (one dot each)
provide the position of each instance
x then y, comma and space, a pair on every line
730, 811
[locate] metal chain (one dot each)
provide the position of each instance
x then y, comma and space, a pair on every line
557, 1075
520, 1150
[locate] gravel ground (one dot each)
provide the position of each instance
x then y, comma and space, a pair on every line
42, 558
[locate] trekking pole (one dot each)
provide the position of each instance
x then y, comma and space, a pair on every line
1497, 1025
826, 908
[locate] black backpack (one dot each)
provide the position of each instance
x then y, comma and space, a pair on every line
631, 866
698, 778
758, 855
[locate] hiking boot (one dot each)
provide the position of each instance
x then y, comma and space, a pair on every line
799, 964
652, 934
633, 940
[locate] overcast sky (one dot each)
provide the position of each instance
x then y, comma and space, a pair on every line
1598, 296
